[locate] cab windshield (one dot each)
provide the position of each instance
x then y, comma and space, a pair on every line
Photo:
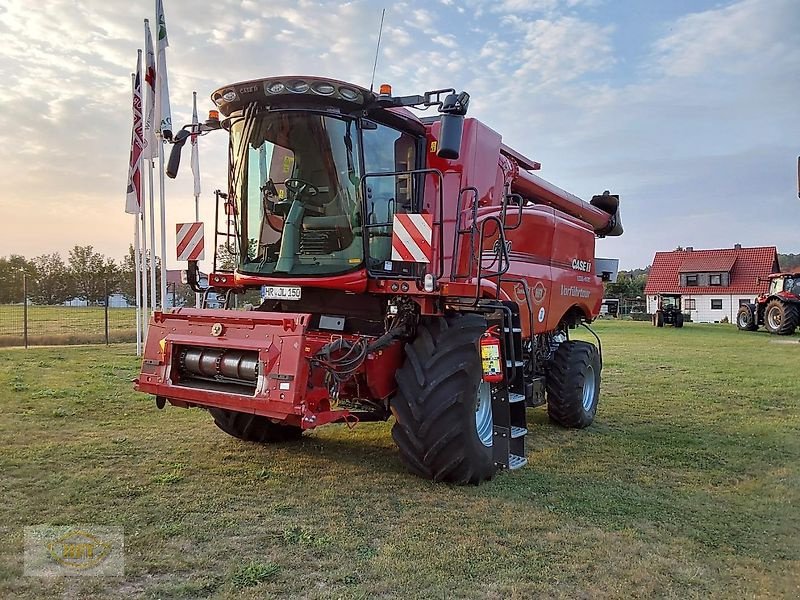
296, 179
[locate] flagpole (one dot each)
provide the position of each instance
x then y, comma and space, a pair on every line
163, 131
136, 246
163, 221
143, 273
153, 302
136, 264
196, 173
151, 145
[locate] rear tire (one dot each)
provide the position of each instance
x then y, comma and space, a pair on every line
573, 384
679, 319
781, 318
437, 402
658, 319
253, 428
746, 318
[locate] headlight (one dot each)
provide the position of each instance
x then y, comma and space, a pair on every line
297, 86
348, 93
326, 89
275, 87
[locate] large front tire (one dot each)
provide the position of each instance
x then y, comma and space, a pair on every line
440, 426
781, 318
746, 318
573, 384
253, 428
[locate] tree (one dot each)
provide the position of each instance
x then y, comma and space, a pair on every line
789, 262
93, 274
53, 283
629, 284
11, 270
127, 274
228, 258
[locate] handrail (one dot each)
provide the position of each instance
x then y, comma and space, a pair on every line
454, 274
439, 220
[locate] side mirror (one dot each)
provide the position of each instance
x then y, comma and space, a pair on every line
175, 155
453, 110
450, 136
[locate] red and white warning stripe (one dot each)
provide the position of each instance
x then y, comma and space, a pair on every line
411, 237
190, 244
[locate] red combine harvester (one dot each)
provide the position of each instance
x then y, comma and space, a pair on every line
408, 267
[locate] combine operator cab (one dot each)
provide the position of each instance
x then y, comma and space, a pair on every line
407, 268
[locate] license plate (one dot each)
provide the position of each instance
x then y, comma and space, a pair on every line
281, 292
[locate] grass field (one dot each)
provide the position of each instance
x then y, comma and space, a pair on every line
65, 324
686, 486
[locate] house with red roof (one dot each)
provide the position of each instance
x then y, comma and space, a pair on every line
712, 284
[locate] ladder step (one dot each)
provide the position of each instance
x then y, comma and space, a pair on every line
516, 363
515, 397
517, 432
515, 462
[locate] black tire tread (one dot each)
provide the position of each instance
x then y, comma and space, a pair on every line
752, 323
789, 319
253, 428
437, 386
565, 384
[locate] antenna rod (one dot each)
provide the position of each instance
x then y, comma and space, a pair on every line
377, 50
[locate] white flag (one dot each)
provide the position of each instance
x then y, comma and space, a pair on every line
133, 196
163, 110
195, 149
150, 140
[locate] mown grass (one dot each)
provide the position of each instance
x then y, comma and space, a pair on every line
686, 486
65, 324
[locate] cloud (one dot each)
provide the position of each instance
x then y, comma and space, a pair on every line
694, 127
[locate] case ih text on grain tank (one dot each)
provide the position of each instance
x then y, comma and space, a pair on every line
414, 268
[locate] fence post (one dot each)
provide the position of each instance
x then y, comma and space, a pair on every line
25, 308
105, 286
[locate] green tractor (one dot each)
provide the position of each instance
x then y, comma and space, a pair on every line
669, 311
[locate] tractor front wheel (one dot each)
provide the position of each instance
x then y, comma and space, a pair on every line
443, 414
253, 428
746, 318
573, 384
658, 319
679, 319
781, 318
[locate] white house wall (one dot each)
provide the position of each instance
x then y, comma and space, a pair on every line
703, 313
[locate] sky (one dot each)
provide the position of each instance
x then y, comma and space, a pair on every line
690, 110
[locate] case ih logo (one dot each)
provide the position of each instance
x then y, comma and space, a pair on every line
539, 292
582, 265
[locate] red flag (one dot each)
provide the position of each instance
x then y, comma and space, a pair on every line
133, 198
150, 141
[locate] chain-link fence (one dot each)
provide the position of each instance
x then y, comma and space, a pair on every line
27, 324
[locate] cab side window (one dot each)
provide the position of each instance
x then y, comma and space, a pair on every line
387, 150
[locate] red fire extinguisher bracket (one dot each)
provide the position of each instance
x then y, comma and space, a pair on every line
491, 356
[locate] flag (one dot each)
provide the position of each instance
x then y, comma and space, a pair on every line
150, 140
133, 199
163, 111
195, 149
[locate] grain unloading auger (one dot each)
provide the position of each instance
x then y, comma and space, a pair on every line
409, 267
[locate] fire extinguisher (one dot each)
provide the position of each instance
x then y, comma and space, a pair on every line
490, 356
